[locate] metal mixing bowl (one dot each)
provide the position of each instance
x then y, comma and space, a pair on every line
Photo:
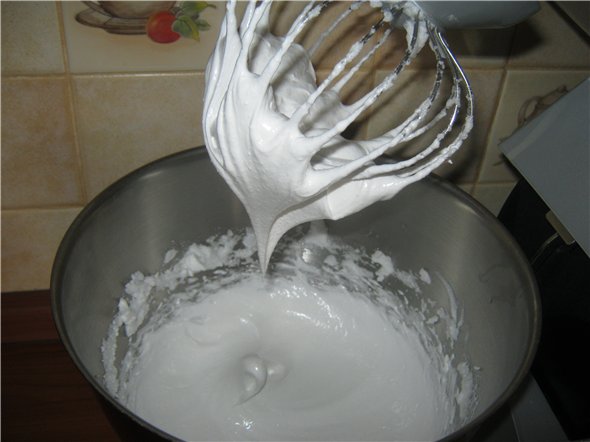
182, 199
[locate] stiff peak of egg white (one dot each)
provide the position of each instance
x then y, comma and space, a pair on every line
274, 134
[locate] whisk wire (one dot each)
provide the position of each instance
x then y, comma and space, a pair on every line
338, 68
354, 110
322, 38
310, 11
263, 107
460, 84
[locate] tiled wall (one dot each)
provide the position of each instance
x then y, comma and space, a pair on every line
82, 107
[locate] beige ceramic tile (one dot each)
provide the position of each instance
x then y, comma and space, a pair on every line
524, 91
31, 43
576, 11
39, 159
30, 239
93, 49
127, 121
481, 48
414, 86
548, 40
493, 196
473, 48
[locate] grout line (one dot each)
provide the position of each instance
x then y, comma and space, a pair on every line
495, 183
549, 68
197, 72
465, 187
32, 76
73, 106
512, 44
44, 76
137, 74
8, 76
500, 183
42, 208
487, 141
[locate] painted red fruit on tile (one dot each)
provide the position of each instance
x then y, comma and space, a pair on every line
159, 27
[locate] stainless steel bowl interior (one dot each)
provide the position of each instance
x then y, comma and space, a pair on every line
182, 199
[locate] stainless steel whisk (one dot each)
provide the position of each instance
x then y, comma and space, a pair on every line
251, 153
457, 108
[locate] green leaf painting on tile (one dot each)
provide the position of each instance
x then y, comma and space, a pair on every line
161, 21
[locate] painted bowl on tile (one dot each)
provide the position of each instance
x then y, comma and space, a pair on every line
129, 9
181, 198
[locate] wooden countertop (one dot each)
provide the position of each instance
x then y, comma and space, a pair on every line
44, 396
